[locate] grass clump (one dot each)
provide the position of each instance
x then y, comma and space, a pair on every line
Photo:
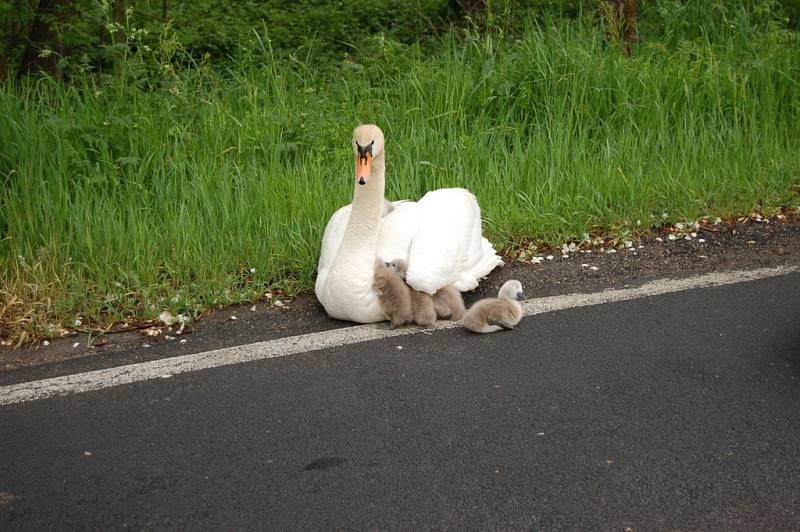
188, 188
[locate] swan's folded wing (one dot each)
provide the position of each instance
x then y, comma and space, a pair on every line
449, 248
397, 231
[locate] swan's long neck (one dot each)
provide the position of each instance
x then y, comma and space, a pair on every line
361, 235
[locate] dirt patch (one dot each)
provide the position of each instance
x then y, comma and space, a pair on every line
747, 243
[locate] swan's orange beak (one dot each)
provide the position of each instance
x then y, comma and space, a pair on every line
363, 167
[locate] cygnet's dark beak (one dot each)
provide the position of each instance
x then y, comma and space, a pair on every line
361, 180
520, 296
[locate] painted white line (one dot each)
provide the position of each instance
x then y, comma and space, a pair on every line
304, 343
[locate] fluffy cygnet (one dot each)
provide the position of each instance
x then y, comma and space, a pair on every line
422, 304
423, 309
449, 304
394, 296
495, 314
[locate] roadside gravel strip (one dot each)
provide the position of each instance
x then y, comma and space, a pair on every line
165, 368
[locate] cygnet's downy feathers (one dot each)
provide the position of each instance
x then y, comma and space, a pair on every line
394, 296
449, 304
422, 305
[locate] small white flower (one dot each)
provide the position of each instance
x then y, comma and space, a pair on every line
718, 221
537, 260
629, 243
679, 226
252, 270
166, 318
78, 322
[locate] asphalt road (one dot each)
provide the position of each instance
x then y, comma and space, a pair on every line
680, 411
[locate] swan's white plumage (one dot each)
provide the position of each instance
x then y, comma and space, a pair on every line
439, 237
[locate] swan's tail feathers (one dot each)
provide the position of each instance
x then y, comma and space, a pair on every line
488, 261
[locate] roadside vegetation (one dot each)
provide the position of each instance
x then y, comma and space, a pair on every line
183, 181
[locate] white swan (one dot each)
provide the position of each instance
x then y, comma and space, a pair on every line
439, 237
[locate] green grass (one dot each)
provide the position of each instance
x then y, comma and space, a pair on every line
162, 192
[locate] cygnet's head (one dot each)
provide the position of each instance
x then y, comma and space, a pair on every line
367, 145
512, 290
399, 266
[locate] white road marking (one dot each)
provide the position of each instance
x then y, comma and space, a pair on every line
304, 343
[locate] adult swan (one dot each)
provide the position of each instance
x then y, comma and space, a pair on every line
439, 237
